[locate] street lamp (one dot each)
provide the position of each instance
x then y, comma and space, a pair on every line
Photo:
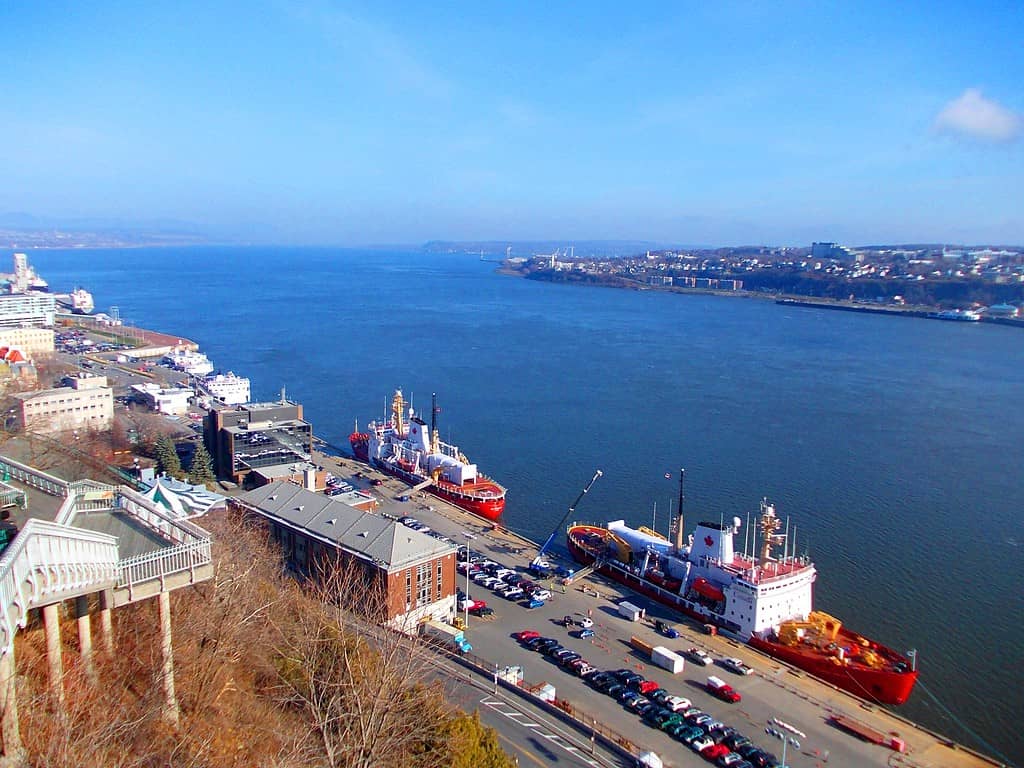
781, 735
468, 536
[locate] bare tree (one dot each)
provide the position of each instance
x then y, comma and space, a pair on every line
362, 687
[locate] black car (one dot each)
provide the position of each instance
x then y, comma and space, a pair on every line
599, 679
614, 690
643, 708
736, 741
568, 659
628, 677
656, 716
551, 650
482, 611
658, 695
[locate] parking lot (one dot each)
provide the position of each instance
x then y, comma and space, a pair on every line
771, 694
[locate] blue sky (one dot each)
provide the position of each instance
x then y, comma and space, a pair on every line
349, 123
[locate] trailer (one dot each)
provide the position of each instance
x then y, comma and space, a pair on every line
869, 734
666, 659
445, 634
641, 645
631, 612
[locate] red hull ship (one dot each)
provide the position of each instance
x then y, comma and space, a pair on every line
764, 601
407, 450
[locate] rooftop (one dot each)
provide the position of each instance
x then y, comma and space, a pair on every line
387, 543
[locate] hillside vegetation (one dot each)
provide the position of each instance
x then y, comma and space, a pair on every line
268, 673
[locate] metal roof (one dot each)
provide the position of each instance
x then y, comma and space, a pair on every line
374, 537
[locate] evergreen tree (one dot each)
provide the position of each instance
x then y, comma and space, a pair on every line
200, 471
167, 460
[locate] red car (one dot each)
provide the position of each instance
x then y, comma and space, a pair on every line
714, 752
526, 634
644, 686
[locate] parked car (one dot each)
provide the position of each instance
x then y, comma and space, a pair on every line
481, 610
586, 622
540, 594
698, 656
736, 665
535, 604
678, 703
700, 743
585, 633
714, 751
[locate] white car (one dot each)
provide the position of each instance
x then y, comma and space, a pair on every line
698, 656
677, 703
540, 594
511, 593
701, 742
586, 622
737, 666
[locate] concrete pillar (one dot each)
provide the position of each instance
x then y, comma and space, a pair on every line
106, 623
171, 712
85, 636
51, 622
14, 750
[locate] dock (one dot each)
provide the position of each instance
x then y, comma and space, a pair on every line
774, 691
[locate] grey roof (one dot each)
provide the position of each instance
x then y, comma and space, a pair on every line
389, 544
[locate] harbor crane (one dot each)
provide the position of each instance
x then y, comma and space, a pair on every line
538, 561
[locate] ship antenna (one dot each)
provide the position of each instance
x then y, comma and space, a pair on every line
679, 513
785, 542
654, 517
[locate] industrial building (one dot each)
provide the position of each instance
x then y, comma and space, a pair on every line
253, 436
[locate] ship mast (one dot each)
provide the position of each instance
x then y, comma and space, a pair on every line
397, 404
435, 438
769, 525
679, 515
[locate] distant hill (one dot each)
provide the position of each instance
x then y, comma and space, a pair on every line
526, 248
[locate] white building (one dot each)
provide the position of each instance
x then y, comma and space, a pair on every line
173, 402
20, 310
229, 389
86, 402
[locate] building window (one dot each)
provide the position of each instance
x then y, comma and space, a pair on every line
423, 584
439, 580
408, 587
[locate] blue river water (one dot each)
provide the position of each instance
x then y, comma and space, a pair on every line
894, 446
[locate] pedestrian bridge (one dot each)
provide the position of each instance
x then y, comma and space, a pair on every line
104, 539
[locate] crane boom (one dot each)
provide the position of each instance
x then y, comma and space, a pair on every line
572, 508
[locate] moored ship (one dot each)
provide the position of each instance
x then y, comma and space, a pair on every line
404, 447
763, 600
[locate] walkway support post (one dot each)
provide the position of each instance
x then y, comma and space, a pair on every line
106, 623
171, 712
13, 751
85, 636
55, 663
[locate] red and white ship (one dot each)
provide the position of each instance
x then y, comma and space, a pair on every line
404, 447
763, 600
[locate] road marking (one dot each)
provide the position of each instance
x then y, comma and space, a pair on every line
521, 719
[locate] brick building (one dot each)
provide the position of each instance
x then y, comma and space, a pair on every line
416, 571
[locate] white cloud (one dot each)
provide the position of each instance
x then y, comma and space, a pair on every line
971, 114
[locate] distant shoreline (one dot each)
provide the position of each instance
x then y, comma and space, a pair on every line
811, 302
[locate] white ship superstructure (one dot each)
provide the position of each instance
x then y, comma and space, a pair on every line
192, 363
228, 388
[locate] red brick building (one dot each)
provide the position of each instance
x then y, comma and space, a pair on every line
418, 571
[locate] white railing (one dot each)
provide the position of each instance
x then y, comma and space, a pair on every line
154, 516
47, 562
163, 563
33, 478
